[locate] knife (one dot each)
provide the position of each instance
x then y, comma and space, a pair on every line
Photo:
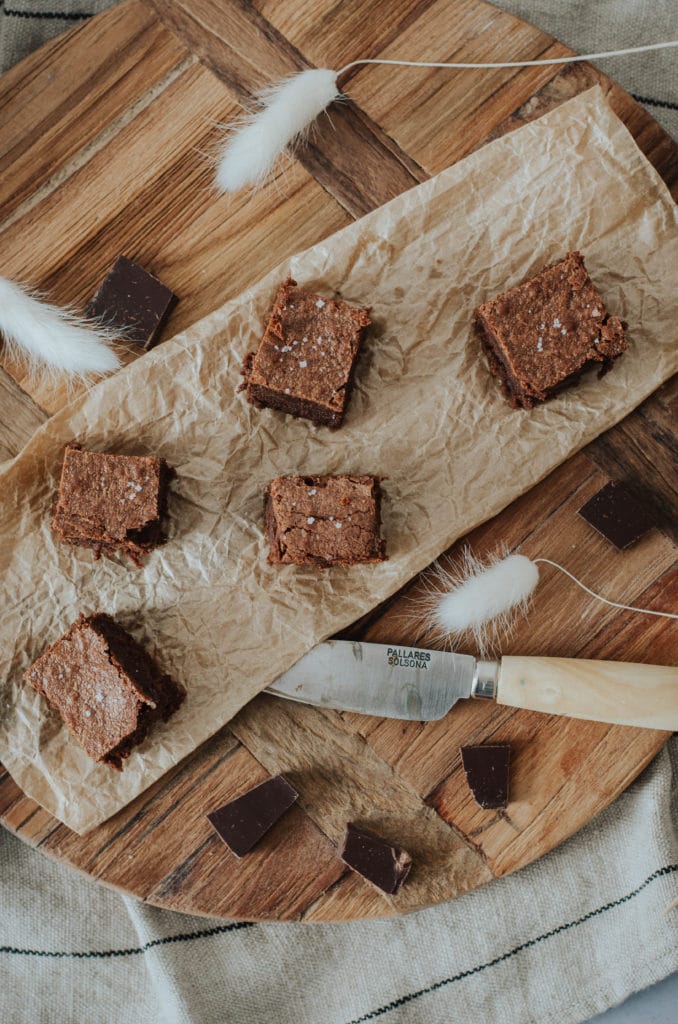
421, 685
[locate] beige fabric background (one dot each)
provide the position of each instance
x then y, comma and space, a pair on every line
558, 942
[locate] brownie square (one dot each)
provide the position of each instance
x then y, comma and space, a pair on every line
324, 520
112, 502
133, 300
617, 515
108, 691
306, 360
539, 337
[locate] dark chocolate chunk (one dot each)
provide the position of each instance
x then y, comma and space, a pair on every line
306, 359
133, 300
106, 688
487, 773
617, 515
324, 520
540, 336
242, 822
112, 502
384, 865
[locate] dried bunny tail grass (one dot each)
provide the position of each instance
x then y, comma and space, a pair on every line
484, 599
544, 62
605, 600
287, 111
476, 599
288, 108
47, 337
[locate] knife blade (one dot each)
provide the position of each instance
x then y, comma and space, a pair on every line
377, 679
416, 684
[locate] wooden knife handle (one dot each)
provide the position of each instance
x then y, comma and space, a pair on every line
601, 691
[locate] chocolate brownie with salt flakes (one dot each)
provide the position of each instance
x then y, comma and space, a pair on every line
324, 520
540, 336
106, 688
112, 502
306, 360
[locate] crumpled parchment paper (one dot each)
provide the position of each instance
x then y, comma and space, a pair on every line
425, 415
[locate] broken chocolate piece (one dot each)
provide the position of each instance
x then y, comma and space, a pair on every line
112, 502
106, 688
487, 773
384, 865
242, 822
617, 515
134, 301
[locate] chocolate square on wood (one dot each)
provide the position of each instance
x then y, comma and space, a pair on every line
133, 300
377, 860
540, 336
242, 822
112, 502
306, 360
617, 515
324, 520
487, 773
106, 688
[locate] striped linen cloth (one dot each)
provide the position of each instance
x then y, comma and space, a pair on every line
556, 943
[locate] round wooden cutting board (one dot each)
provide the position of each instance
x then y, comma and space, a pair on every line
110, 129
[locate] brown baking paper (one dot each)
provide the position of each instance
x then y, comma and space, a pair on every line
425, 414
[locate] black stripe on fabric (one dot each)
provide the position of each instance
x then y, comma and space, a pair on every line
651, 102
66, 16
239, 925
103, 954
659, 873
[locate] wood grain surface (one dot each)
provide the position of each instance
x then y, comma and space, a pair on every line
108, 136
